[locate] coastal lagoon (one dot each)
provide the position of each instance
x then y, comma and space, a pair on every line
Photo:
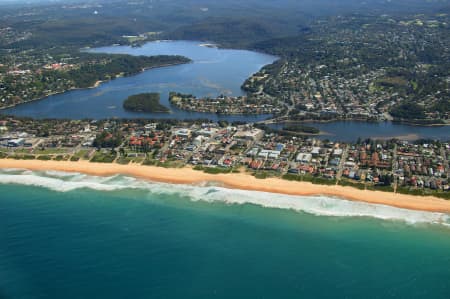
212, 72
78, 236
349, 131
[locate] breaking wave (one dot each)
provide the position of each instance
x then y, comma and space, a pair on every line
208, 192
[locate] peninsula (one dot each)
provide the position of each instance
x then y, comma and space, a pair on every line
222, 104
87, 71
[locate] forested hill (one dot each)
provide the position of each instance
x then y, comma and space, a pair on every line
75, 23
348, 58
232, 32
86, 70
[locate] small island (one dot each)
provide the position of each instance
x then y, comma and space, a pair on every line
298, 128
145, 102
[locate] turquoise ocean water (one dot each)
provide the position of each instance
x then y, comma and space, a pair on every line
76, 236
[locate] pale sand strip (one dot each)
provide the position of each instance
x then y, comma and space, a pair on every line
236, 181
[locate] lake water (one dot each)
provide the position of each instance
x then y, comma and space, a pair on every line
349, 131
213, 72
76, 236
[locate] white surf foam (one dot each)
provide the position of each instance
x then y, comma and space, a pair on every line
57, 184
317, 205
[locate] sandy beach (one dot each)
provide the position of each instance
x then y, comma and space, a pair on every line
236, 181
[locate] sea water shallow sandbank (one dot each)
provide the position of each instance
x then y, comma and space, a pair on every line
238, 181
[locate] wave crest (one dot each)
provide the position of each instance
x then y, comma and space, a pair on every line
317, 205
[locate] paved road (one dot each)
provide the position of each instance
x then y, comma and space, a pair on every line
394, 168
341, 164
444, 156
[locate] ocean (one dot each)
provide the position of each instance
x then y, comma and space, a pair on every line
78, 236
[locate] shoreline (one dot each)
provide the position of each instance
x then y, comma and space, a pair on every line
412, 124
240, 181
95, 85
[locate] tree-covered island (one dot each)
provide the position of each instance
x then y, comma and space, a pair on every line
145, 102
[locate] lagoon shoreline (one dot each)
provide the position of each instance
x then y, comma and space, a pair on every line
94, 86
239, 181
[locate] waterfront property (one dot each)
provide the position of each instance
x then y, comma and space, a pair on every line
212, 72
391, 165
